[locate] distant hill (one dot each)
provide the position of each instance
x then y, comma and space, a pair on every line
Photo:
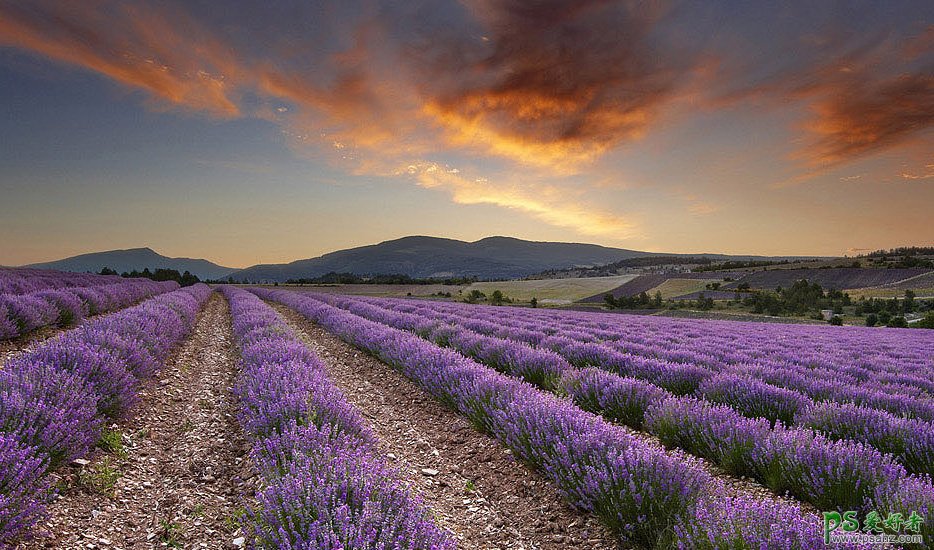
492, 258
422, 257
138, 259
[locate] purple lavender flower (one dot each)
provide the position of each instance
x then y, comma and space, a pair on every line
324, 487
23, 489
754, 398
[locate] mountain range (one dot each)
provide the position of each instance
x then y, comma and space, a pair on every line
415, 256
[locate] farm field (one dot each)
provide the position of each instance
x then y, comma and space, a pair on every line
838, 278
651, 283
378, 290
554, 291
201, 417
675, 287
922, 285
558, 291
921, 292
475, 275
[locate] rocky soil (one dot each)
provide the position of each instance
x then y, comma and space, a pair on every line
473, 484
182, 473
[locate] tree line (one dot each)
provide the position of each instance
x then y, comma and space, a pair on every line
160, 274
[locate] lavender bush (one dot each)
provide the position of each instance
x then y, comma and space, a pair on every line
911, 441
324, 486
753, 398
63, 306
54, 399
911, 494
832, 475
714, 432
25, 280
616, 398
323, 492
637, 489
741, 386
882, 369
22, 487
740, 523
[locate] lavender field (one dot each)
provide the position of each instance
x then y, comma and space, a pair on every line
466, 274
645, 432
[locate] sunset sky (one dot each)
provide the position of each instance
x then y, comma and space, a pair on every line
269, 132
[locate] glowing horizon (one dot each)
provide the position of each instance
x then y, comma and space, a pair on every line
269, 135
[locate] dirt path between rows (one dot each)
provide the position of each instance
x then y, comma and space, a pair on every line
9, 348
472, 484
181, 480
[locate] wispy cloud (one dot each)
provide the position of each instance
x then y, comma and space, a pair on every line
546, 202
173, 58
864, 94
539, 91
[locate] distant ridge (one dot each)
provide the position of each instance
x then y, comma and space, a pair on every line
138, 259
490, 258
422, 257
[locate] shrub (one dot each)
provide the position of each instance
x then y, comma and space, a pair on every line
621, 399
897, 322
23, 490
715, 432
753, 398
832, 475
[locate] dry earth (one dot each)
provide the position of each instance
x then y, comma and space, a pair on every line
184, 473
474, 486
9, 348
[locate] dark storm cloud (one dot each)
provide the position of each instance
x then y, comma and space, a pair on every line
548, 83
553, 78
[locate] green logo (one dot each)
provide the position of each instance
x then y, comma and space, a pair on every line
895, 528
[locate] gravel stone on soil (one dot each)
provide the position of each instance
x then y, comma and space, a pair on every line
185, 473
472, 483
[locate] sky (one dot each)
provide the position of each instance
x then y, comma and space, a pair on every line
268, 132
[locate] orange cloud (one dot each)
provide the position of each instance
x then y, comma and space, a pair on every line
927, 175
553, 84
175, 61
536, 89
863, 96
856, 116
552, 204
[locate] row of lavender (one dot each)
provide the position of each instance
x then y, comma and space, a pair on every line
910, 441
829, 474
884, 359
324, 486
891, 357
775, 391
22, 280
54, 399
640, 491
23, 313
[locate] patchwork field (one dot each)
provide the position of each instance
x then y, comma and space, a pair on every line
276, 418
673, 288
838, 278
553, 290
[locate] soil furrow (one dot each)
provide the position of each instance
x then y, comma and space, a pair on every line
183, 472
9, 348
478, 491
